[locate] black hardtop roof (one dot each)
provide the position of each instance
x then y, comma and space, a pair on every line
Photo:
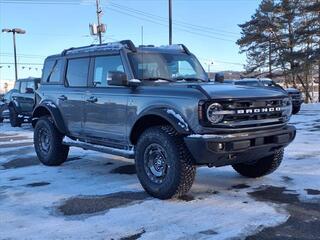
117, 46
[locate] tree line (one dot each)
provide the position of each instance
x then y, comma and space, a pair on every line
282, 38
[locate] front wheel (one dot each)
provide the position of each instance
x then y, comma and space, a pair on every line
163, 163
15, 121
48, 143
295, 110
260, 167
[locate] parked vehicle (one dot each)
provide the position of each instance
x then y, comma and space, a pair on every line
4, 101
156, 105
295, 94
21, 102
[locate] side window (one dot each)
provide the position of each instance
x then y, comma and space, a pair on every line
23, 87
102, 66
77, 72
30, 87
56, 72
48, 65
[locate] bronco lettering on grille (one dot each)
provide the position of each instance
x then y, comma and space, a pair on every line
259, 110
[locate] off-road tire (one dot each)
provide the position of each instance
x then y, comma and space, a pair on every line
15, 121
180, 172
295, 110
261, 167
56, 152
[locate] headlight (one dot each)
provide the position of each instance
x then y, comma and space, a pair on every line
214, 113
287, 107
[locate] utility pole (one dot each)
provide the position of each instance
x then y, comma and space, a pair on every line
99, 11
14, 31
170, 22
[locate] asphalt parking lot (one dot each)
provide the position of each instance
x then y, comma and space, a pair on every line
98, 196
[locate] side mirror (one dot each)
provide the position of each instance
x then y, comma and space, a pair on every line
134, 83
117, 78
219, 77
29, 90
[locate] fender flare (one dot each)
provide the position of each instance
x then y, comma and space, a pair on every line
168, 114
51, 108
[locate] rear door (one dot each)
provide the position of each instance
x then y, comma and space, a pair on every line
106, 106
71, 99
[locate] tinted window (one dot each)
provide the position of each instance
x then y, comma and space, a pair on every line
56, 72
102, 66
23, 87
27, 87
47, 69
77, 72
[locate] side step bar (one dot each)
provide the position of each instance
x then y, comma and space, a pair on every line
99, 148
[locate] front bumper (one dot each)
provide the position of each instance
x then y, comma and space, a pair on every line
228, 149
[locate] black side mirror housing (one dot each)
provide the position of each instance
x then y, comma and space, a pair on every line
117, 78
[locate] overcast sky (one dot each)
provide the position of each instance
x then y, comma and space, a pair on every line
207, 27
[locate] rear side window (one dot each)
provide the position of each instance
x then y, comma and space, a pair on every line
56, 72
48, 65
77, 72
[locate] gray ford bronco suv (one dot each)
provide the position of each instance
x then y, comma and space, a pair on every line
157, 105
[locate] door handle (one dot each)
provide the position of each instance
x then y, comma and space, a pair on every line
92, 99
62, 98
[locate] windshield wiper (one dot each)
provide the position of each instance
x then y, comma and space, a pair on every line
190, 79
158, 78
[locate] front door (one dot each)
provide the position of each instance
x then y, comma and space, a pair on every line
106, 106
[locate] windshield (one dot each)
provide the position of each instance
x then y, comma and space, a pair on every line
269, 83
171, 67
248, 83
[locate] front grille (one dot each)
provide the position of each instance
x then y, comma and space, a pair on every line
251, 113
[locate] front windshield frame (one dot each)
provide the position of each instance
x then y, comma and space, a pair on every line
165, 64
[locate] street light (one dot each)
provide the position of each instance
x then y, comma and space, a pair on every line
14, 31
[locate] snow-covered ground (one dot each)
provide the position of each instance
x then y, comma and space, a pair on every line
97, 196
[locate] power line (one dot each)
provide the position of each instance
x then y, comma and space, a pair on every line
8, 63
166, 25
177, 22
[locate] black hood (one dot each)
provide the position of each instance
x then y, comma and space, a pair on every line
225, 91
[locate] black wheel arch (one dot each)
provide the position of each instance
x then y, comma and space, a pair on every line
49, 108
159, 116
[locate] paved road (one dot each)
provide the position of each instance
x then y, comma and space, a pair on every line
97, 196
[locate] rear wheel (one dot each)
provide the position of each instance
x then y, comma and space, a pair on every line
48, 143
15, 121
261, 167
164, 165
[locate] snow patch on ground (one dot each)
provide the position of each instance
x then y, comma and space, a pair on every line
217, 209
